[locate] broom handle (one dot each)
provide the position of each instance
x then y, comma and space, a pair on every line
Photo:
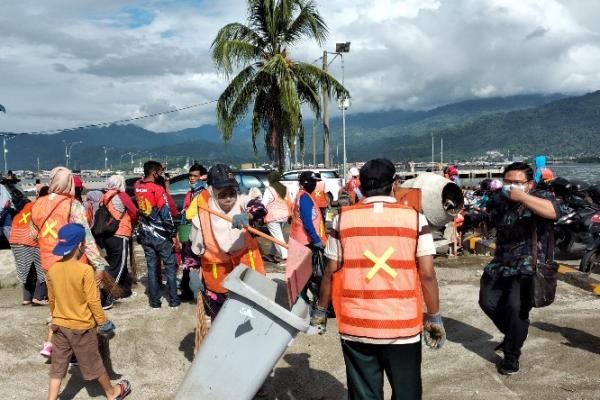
248, 228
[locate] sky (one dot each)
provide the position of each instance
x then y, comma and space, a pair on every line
66, 63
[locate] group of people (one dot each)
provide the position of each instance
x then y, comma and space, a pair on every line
379, 274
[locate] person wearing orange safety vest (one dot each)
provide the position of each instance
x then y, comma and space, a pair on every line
381, 263
27, 258
352, 187
222, 245
321, 198
308, 226
52, 212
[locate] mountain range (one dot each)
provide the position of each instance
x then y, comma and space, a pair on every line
526, 124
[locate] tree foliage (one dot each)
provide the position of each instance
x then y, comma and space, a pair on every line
268, 80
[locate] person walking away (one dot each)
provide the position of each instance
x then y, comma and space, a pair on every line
308, 226
91, 205
27, 259
278, 203
521, 215
52, 212
158, 233
121, 208
381, 260
352, 187
223, 245
77, 316
197, 177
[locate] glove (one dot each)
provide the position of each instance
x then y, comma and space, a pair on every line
318, 246
240, 221
318, 320
434, 332
107, 329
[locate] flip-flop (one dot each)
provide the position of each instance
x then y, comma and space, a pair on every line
39, 302
26, 302
125, 387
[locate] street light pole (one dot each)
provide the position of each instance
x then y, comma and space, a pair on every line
105, 148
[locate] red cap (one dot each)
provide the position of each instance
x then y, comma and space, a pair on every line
78, 182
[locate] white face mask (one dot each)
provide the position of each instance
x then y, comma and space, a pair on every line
507, 188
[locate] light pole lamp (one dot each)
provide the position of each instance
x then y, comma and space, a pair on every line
106, 148
344, 103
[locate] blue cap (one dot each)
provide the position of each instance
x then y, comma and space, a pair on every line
69, 237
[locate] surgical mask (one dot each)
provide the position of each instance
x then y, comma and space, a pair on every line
507, 188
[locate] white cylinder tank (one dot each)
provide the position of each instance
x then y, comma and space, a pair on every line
441, 199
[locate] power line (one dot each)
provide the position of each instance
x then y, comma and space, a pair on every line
121, 121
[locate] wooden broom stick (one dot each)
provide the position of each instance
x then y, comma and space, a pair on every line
201, 323
248, 228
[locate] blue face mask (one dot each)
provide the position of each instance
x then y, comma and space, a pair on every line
200, 184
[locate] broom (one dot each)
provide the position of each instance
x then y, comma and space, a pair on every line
132, 264
201, 323
109, 284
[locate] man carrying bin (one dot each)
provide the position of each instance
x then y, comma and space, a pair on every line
381, 263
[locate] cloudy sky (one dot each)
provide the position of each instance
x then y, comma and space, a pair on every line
66, 63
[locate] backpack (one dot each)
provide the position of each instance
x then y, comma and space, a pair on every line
105, 225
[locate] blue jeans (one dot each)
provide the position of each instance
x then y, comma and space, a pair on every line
155, 248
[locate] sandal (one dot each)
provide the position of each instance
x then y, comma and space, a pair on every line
26, 302
37, 302
125, 388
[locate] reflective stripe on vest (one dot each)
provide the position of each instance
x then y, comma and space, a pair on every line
20, 230
216, 264
297, 230
378, 291
48, 215
320, 195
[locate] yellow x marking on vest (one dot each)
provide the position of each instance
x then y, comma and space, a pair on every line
24, 218
380, 263
317, 194
49, 229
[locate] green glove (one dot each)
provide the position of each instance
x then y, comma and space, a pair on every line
433, 331
318, 319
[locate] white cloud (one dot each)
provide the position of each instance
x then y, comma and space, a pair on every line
78, 62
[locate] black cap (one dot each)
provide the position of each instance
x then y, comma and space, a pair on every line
220, 176
377, 173
309, 176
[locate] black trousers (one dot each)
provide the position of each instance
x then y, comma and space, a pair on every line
117, 250
507, 301
366, 363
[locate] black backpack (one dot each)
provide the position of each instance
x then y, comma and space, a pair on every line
17, 198
105, 225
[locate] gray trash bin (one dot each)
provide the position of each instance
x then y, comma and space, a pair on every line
245, 341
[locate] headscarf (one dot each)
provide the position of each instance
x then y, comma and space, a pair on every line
228, 238
115, 182
92, 200
61, 181
274, 177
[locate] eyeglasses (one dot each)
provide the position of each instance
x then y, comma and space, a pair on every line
227, 194
509, 182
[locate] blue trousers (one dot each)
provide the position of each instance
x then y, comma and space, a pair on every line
155, 249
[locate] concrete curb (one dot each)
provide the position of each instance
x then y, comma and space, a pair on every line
566, 273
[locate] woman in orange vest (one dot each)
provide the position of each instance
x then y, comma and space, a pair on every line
278, 203
382, 256
27, 257
121, 207
52, 212
321, 198
221, 245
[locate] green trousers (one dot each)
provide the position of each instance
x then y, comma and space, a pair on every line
366, 363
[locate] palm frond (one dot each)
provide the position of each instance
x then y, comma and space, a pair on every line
314, 74
228, 105
308, 24
229, 53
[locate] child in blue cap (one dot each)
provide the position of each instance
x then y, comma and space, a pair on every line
77, 316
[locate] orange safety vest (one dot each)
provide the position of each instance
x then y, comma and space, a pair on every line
47, 217
320, 195
278, 209
297, 231
125, 229
20, 231
217, 264
377, 292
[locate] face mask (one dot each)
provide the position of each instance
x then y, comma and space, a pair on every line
507, 188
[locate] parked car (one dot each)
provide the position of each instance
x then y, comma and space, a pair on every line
333, 182
180, 185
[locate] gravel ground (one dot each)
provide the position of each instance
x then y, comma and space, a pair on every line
153, 349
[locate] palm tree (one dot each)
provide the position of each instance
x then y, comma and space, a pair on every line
271, 82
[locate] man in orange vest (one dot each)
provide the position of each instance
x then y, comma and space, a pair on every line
381, 261
320, 197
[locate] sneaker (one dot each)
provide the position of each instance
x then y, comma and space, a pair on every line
108, 306
46, 349
509, 366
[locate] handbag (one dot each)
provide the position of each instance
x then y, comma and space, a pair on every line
543, 285
105, 225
